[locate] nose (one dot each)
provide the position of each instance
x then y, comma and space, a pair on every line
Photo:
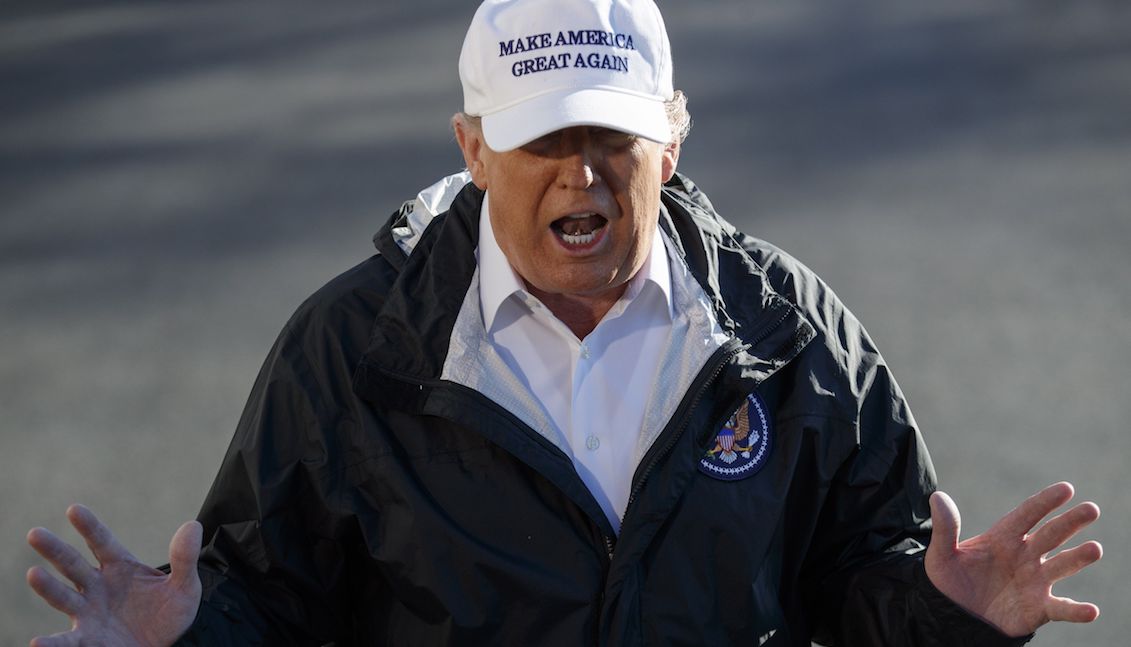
578, 168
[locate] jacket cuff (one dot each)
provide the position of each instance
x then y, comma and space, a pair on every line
959, 626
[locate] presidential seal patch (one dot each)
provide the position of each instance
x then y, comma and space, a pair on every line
742, 445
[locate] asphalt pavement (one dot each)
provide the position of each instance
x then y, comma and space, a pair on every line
176, 177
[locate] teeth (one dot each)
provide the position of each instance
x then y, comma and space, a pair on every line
579, 229
579, 239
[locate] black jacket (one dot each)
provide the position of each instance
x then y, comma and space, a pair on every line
370, 498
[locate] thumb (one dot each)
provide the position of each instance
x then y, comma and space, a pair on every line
184, 551
946, 523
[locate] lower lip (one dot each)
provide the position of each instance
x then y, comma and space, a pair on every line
598, 238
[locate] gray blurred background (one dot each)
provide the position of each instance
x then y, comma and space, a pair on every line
176, 177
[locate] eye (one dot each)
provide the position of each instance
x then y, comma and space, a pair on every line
613, 138
545, 144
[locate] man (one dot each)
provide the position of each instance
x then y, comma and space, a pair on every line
566, 403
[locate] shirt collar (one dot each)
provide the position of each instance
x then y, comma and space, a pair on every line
498, 280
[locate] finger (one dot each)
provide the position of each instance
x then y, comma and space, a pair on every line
1069, 562
65, 639
184, 552
1062, 527
64, 557
1069, 610
946, 522
102, 542
1021, 519
57, 594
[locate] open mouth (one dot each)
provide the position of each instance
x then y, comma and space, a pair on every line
580, 229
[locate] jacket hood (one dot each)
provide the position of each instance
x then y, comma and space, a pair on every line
408, 223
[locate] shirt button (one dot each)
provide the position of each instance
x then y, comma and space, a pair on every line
592, 443
584, 352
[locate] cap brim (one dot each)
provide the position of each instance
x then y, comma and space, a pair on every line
524, 122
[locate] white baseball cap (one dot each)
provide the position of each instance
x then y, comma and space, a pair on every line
530, 67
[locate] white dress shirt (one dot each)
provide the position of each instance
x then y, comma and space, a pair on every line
595, 390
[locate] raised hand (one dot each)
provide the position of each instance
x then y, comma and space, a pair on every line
120, 602
1005, 575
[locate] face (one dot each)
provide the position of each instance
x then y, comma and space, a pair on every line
575, 211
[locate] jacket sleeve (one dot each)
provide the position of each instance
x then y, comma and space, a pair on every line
871, 588
863, 570
273, 562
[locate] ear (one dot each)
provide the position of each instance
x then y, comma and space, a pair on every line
670, 160
470, 139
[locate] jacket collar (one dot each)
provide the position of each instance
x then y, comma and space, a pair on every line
410, 335
409, 341
770, 326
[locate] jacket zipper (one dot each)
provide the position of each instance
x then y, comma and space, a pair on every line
671, 439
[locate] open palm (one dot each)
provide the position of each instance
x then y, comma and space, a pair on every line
121, 601
1004, 575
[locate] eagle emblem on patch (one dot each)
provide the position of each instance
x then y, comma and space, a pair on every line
742, 445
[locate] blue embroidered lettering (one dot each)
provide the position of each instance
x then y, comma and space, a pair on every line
541, 64
525, 44
604, 62
562, 60
567, 38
